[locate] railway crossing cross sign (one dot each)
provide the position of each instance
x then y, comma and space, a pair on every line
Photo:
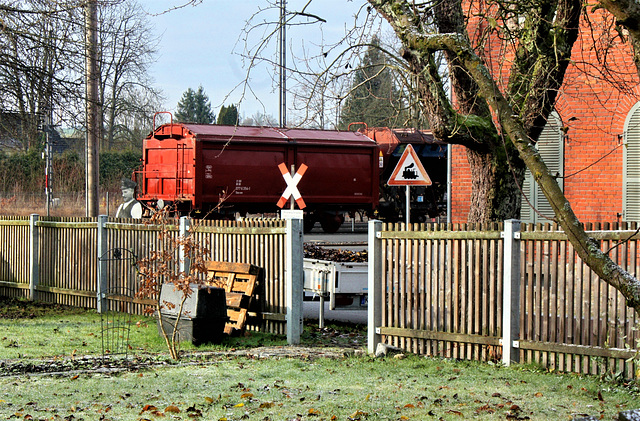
292, 183
409, 171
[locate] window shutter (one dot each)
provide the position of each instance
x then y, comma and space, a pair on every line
631, 159
526, 213
551, 148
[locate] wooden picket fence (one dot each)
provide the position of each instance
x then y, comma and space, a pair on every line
442, 285
442, 295
69, 251
572, 320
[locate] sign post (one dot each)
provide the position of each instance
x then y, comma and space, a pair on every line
409, 172
294, 262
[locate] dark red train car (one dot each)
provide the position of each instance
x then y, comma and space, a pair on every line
194, 167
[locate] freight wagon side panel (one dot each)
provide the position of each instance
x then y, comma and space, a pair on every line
338, 175
243, 173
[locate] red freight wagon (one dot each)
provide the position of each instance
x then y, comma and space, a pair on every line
193, 167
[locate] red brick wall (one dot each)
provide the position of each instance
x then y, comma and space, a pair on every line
594, 110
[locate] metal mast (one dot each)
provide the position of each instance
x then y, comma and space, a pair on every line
283, 62
47, 163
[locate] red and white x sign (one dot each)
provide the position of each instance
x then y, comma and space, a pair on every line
292, 182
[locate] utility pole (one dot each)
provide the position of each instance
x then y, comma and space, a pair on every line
47, 163
92, 107
282, 38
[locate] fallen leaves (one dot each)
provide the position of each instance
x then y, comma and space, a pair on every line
455, 412
173, 409
314, 412
210, 400
313, 251
148, 408
358, 415
485, 409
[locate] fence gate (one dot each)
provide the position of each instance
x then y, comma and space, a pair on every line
118, 294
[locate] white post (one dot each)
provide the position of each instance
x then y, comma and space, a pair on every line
407, 194
184, 261
34, 257
511, 293
321, 312
374, 291
103, 282
294, 273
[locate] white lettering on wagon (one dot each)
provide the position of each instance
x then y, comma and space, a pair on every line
240, 189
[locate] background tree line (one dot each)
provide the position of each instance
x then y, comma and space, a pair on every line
195, 107
23, 172
42, 66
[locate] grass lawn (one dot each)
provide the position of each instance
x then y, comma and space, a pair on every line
218, 383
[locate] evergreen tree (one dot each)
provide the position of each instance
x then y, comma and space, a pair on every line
229, 115
374, 99
194, 107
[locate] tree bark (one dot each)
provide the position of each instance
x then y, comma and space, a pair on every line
587, 248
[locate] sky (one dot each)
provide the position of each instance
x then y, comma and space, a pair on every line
202, 45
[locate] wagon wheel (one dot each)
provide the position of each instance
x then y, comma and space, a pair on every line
309, 222
331, 222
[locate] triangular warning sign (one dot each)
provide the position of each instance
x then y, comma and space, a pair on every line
409, 171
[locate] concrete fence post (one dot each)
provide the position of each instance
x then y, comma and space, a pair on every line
103, 282
294, 272
34, 257
374, 290
511, 293
184, 261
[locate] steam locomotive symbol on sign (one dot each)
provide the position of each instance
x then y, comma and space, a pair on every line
409, 172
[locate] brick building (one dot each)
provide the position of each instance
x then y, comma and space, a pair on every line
592, 138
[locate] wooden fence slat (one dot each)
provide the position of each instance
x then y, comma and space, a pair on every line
432, 261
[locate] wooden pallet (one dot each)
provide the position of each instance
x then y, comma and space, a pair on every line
241, 282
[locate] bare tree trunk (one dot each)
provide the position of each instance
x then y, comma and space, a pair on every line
111, 122
482, 182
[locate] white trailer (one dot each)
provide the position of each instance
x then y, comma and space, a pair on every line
345, 283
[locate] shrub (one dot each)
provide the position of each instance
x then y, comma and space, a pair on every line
24, 172
115, 165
